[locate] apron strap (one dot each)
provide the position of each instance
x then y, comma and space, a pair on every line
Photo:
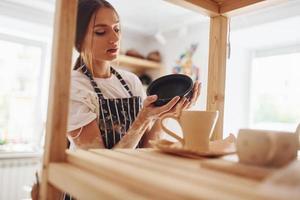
121, 80
87, 72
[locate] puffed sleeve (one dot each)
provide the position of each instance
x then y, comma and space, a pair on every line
83, 108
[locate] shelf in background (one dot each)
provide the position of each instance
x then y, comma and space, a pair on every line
137, 63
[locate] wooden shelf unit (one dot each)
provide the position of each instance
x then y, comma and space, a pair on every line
57, 166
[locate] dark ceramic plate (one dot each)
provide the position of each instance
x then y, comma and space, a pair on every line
169, 86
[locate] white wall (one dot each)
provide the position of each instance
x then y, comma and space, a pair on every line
134, 40
176, 45
273, 28
236, 107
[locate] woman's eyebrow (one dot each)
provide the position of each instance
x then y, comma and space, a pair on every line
105, 25
100, 25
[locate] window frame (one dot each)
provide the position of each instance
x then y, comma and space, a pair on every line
38, 116
260, 54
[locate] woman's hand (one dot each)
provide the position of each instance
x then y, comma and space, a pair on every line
184, 103
176, 105
151, 112
143, 123
196, 94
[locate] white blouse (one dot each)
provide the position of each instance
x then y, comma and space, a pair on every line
84, 105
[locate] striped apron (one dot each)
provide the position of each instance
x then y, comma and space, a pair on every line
115, 115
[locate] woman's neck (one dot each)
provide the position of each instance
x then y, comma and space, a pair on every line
101, 69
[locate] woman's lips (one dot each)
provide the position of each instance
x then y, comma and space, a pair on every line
112, 51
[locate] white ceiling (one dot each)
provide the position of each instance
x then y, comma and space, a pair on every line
285, 32
151, 16
270, 26
143, 16
276, 26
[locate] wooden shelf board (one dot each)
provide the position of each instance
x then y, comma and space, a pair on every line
86, 185
106, 173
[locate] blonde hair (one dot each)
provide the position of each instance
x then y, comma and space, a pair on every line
87, 51
86, 10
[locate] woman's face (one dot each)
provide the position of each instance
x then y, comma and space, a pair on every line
103, 35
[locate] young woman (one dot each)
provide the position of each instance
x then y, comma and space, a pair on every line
108, 106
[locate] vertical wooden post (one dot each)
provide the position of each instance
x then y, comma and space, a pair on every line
217, 70
63, 42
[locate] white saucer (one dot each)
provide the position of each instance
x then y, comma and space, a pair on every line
217, 148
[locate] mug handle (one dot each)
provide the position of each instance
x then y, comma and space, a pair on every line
272, 150
171, 133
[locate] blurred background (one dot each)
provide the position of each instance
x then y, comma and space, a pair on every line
159, 38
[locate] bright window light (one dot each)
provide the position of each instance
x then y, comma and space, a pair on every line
20, 65
275, 92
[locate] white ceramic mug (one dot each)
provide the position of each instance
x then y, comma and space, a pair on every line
266, 147
197, 127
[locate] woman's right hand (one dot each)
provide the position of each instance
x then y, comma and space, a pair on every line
146, 116
151, 112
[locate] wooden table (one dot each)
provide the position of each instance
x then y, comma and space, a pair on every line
146, 174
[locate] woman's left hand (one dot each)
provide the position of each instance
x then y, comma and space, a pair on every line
184, 103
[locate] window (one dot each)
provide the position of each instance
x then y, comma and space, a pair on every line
20, 90
275, 92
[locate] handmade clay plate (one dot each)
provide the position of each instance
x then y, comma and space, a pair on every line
169, 86
217, 148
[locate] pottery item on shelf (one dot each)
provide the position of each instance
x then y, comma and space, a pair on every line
217, 148
267, 147
197, 127
154, 56
134, 53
